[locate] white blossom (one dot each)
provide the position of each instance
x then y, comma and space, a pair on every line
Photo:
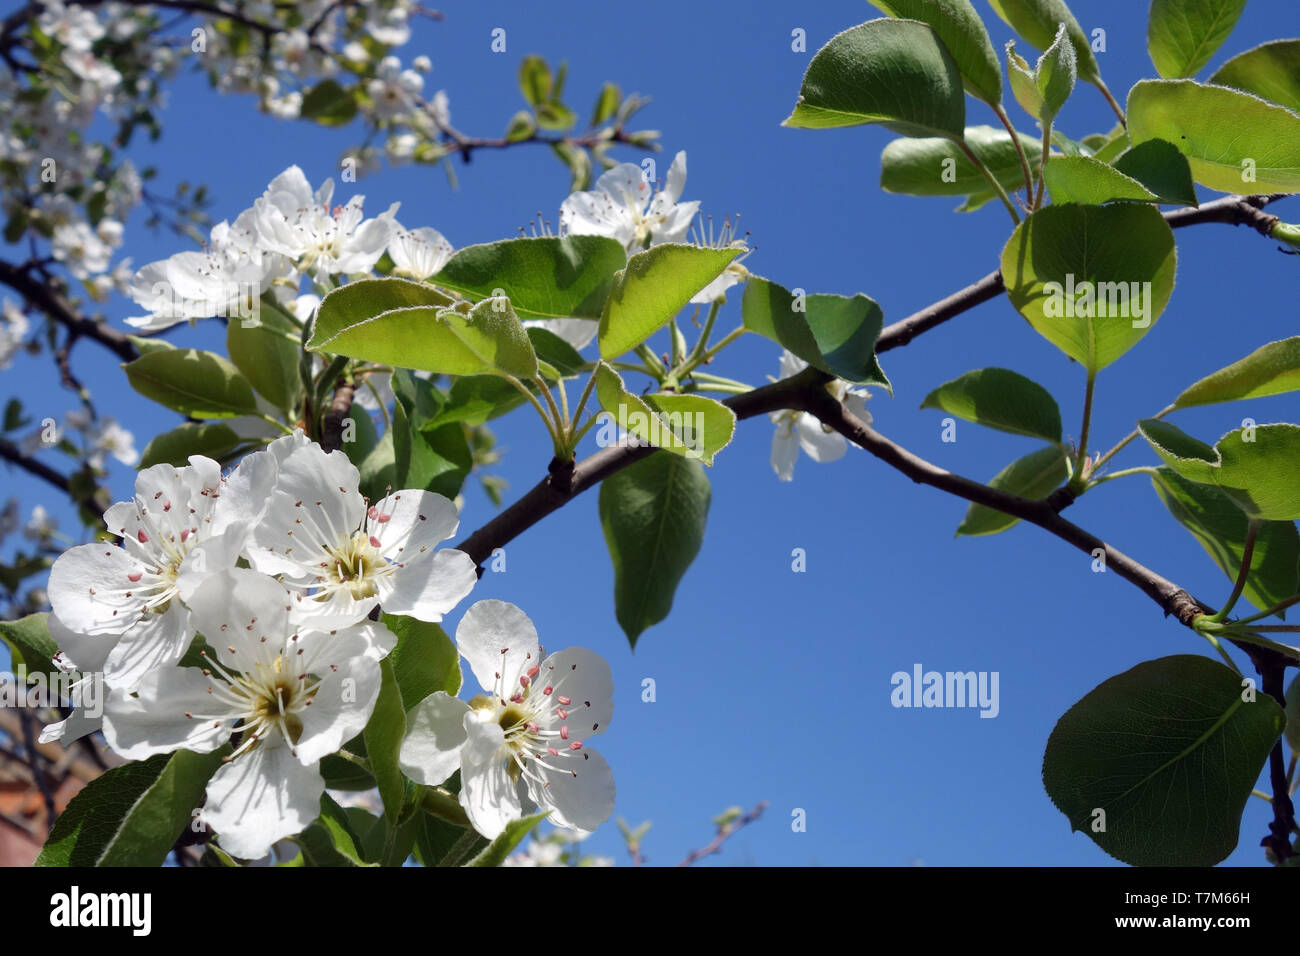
796, 430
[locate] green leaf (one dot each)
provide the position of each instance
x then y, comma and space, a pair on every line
133, 814
937, 166
342, 774
1182, 35
1037, 21
522, 127
555, 352
894, 72
1052, 78
555, 116
964, 35
1092, 280
1001, 399
330, 841
175, 447
1160, 167
383, 736
692, 426
1169, 752
436, 460
1083, 180
1035, 476
834, 333
606, 104
1269, 370
544, 277
200, 384
30, 644
424, 660
652, 289
496, 852
400, 323
653, 514
1220, 526
1270, 70
1188, 456
1254, 465
534, 79
435, 838
328, 104
267, 353
1234, 142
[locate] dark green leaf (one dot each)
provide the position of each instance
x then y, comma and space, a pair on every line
328, 104
1271, 71
1169, 752
653, 514
1034, 476
424, 660
175, 447
964, 35
200, 384
1182, 35
1001, 399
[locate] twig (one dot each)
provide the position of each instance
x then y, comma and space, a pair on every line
13, 454
715, 846
331, 438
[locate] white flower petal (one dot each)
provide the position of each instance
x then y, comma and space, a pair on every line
819, 444
584, 678
435, 733
154, 722
581, 794
157, 640
785, 452
497, 638
346, 694
260, 797
427, 590
488, 794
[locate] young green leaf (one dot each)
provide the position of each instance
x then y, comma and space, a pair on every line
1169, 752
495, 853
936, 166
544, 277
1034, 476
1159, 166
1269, 370
963, 34
199, 384
1093, 300
1182, 35
1220, 526
1270, 71
693, 426
652, 289
331, 841
894, 72
653, 514
1044, 91
424, 660
30, 644
1154, 172
834, 333
1038, 21
383, 736
174, 447
267, 352
328, 104
1001, 399
1233, 141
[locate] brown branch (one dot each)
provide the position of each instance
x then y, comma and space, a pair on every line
547, 496
331, 438
715, 846
54, 305
1273, 673
14, 455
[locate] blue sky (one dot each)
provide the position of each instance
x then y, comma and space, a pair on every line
773, 685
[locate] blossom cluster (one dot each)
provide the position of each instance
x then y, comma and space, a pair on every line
242, 611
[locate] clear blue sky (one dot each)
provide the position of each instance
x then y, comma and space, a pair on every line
770, 684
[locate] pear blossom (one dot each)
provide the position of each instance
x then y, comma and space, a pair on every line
623, 207
41, 526
13, 326
523, 743
72, 25
418, 253
132, 596
221, 280
796, 430
292, 220
292, 695
394, 91
342, 555
104, 436
80, 248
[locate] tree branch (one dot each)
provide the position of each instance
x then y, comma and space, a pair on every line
52, 303
11, 453
715, 846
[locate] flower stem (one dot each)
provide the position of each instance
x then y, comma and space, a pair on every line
1079, 481
1042, 165
1280, 606
1129, 437
993, 181
1020, 151
1119, 110
1248, 552
697, 353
